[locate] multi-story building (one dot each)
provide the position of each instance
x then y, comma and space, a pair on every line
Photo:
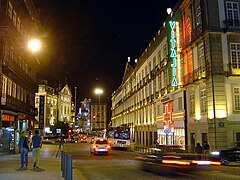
185, 87
47, 104
64, 105
98, 116
53, 106
19, 23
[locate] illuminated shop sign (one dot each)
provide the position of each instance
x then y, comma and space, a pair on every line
173, 52
7, 118
167, 118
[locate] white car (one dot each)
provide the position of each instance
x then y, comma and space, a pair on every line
100, 146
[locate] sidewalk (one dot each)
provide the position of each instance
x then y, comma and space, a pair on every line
49, 167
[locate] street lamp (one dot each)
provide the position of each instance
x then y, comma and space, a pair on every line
75, 103
98, 92
34, 45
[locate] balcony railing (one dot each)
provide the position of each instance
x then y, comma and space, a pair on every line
17, 105
187, 79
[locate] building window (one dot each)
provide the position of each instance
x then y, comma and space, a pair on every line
188, 30
14, 90
198, 16
232, 13
165, 50
14, 18
18, 92
10, 9
159, 57
235, 55
180, 106
203, 104
201, 59
154, 62
236, 100
192, 104
9, 91
158, 110
4, 86
18, 25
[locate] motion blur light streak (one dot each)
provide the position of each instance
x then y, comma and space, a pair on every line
175, 162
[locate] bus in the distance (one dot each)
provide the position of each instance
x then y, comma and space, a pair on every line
119, 138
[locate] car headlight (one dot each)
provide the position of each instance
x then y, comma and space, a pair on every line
215, 153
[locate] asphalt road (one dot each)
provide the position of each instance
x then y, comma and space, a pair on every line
119, 165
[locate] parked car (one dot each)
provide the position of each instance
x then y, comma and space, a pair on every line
83, 139
100, 146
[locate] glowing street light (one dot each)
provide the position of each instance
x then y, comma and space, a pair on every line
34, 45
98, 91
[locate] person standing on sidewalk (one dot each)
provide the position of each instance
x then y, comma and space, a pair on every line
24, 148
37, 144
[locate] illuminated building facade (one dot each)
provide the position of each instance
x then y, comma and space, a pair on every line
65, 105
46, 101
19, 23
98, 116
185, 87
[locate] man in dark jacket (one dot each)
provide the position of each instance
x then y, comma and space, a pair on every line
37, 144
24, 148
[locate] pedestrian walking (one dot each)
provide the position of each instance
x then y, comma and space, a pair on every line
24, 148
199, 150
37, 144
206, 148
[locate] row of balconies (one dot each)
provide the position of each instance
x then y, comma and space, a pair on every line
17, 105
230, 25
11, 67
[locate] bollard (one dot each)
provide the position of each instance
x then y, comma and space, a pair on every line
62, 154
63, 164
69, 167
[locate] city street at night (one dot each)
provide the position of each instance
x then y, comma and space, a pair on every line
119, 89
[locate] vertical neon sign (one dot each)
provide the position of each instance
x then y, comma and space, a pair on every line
173, 53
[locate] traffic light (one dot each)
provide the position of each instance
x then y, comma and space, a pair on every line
94, 117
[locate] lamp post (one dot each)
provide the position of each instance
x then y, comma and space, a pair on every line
75, 103
34, 45
98, 92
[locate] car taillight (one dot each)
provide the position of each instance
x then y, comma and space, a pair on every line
108, 146
95, 146
180, 162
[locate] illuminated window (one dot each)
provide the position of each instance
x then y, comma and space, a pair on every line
201, 59
4, 86
232, 13
236, 96
14, 90
203, 101
188, 29
192, 104
235, 55
198, 16
9, 91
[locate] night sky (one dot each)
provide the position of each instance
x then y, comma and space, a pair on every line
87, 42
